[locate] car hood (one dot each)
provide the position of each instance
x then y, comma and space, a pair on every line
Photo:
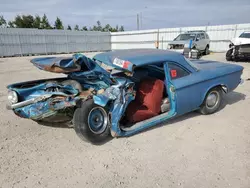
239, 41
179, 42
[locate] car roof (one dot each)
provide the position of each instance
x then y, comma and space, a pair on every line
137, 57
196, 31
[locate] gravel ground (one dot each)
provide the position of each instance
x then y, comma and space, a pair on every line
191, 151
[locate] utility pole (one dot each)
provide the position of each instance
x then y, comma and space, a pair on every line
141, 21
138, 26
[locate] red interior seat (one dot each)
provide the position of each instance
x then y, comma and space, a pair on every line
147, 103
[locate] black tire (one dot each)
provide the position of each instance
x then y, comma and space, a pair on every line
210, 105
84, 115
73, 83
229, 55
206, 51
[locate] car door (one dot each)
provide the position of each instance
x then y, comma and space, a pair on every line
198, 42
203, 41
185, 95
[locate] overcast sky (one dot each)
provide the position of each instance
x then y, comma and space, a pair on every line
155, 13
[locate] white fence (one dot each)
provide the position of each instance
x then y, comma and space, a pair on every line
220, 36
35, 41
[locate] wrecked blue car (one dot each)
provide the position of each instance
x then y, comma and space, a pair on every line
122, 92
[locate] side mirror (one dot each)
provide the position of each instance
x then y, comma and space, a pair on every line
197, 39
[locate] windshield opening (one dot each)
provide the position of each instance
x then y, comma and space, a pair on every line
186, 36
245, 35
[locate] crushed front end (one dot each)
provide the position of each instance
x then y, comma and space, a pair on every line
51, 101
55, 100
238, 52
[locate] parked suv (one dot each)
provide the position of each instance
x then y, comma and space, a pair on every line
198, 40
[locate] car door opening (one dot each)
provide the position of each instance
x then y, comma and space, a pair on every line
151, 98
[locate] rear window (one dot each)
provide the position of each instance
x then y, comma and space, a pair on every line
176, 71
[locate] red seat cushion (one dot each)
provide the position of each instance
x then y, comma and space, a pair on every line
148, 99
137, 112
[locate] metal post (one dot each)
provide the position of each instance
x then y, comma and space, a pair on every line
98, 42
158, 33
235, 30
162, 43
20, 47
67, 42
45, 42
86, 45
141, 20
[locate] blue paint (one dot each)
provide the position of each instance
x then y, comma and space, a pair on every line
190, 43
101, 100
186, 94
142, 57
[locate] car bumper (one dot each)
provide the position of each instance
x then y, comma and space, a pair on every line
177, 50
241, 81
28, 102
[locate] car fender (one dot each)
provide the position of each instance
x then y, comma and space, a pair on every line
101, 100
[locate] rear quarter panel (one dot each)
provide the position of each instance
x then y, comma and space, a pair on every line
191, 90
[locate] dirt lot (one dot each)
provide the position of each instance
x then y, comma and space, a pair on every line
191, 151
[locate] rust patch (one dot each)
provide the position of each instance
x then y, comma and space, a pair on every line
56, 69
100, 91
86, 94
113, 134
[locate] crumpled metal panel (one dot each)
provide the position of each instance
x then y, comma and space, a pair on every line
44, 109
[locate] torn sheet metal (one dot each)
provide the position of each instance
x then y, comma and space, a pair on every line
44, 109
56, 64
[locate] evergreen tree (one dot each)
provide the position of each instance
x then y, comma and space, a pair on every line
58, 23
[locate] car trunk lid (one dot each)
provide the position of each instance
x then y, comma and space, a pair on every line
78, 67
216, 66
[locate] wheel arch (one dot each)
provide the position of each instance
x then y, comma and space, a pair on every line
223, 87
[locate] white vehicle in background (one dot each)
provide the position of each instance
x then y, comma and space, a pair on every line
239, 48
197, 40
244, 38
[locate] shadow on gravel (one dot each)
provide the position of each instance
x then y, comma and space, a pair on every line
229, 99
57, 125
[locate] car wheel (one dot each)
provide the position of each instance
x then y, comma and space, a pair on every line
212, 101
91, 122
206, 52
229, 55
73, 83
